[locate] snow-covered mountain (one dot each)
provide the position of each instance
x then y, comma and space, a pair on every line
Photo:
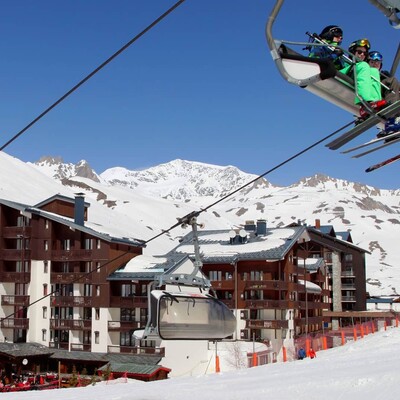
145, 202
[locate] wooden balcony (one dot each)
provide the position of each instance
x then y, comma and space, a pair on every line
68, 277
266, 285
15, 254
223, 285
15, 323
72, 255
159, 351
268, 304
71, 324
129, 302
80, 347
59, 345
71, 301
13, 232
15, 277
123, 326
7, 300
267, 324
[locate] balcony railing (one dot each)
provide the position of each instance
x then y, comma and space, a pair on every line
80, 347
7, 300
227, 284
17, 231
160, 351
15, 277
71, 301
349, 298
347, 273
15, 323
68, 277
129, 302
72, 255
59, 345
267, 324
71, 324
15, 254
123, 325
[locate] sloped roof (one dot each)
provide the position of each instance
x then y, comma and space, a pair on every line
70, 223
106, 357
18, 350
131, 368
215, 246
58, 197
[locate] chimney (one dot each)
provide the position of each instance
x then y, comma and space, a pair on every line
249, 226
261, 227
79, 210
317, 224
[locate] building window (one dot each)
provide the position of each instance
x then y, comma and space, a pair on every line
89, 244
97, 313
44, 335
128, 290
46, 245
127, 314
126, 339
65, 267
98, 266
45, 267
46, 224
88, 266
87, 290
98, 244
44, 289
87, 337
215, 275
97, 290
44, 312
348, 257
66, 244
97, 337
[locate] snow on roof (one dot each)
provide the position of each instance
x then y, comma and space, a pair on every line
143, 263
311, 287
217, 243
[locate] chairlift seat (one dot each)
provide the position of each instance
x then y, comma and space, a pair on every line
319, 76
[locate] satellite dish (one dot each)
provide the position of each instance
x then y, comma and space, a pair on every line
242, 233
232, 234
24, 361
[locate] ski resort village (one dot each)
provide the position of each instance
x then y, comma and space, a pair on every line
79, 299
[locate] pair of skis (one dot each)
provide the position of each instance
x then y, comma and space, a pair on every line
388, 112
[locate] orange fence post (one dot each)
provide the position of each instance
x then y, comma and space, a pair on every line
355, 334
384, 325
397, 322
366, 329
255, 360
324, 343
308, 346
284, 354
343, 338
373, 326
217, 369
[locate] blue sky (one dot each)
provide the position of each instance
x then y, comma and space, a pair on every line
200, 86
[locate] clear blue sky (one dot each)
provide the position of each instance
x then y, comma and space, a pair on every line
200, 86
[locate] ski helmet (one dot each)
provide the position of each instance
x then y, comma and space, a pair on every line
359, 43
331, 31
375, 55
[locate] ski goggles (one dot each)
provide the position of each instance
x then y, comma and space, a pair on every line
363, 43
375, 56
336, 32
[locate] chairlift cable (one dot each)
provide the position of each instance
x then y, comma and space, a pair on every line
101, 66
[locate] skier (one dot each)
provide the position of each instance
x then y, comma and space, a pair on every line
367, 79
391, 93
301, 354
312, 354
332, 35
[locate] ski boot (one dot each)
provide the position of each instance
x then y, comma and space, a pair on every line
375, 106
392, 125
